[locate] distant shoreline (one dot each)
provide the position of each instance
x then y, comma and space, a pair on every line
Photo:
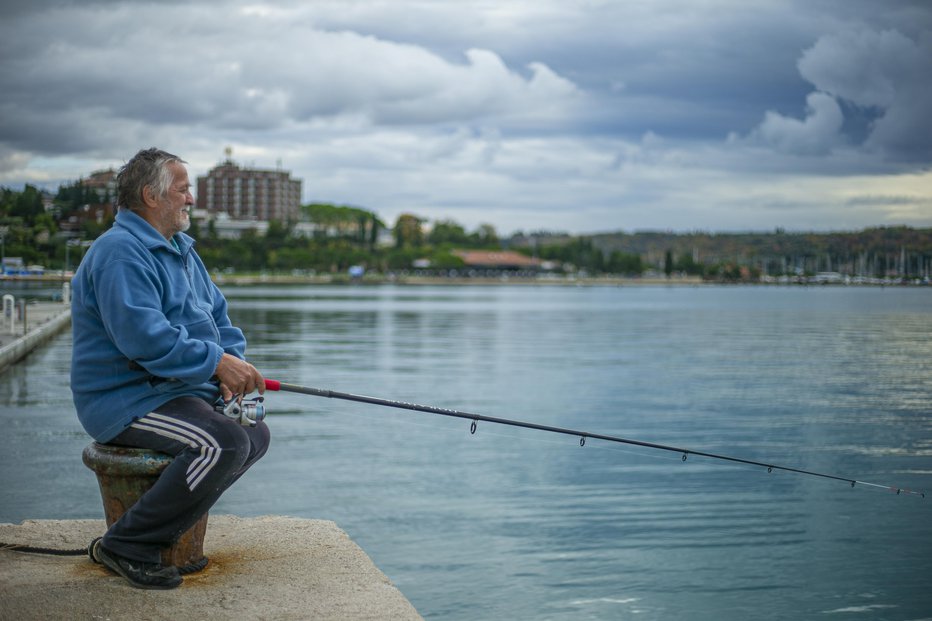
423, 280
415, 280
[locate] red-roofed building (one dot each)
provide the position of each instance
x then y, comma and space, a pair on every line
498, 260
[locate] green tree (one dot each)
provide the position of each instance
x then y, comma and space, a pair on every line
92, 229
376, 226
486, 236
443, 260
28, 205
277, 234
448, 232
686, 264
625, 263
358, 225
408, 231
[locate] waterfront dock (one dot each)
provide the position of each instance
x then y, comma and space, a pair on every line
21, 333
269, 567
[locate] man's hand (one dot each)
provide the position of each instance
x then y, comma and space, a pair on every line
238, 377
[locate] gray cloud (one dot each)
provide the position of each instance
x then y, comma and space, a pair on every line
237, 77
888, 200
639, 114
884, 70
817, 134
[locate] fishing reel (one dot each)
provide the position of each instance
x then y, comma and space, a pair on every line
247, 412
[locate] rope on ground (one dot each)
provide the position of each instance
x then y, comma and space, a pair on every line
190, 568
16, 547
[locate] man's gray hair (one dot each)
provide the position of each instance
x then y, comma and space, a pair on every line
148, 168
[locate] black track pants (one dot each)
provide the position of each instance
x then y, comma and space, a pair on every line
210, 452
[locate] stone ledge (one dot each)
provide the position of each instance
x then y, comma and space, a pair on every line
269, 567
47, 320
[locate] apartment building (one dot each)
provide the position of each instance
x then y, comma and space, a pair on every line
249, 193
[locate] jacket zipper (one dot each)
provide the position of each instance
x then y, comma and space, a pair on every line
190, 277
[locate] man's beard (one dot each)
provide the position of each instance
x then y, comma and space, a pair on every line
186, 221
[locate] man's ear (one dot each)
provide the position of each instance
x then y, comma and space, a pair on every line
149, 197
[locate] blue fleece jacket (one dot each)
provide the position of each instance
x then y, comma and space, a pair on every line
135, 298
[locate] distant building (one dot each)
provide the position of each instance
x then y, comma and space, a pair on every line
225, 227
503, 260
14, 266
249, 193
103, 182
100, 205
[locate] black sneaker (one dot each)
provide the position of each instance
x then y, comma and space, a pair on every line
140, 575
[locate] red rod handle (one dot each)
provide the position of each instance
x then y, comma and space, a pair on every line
273, 385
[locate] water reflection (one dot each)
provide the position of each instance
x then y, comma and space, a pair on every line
517, 524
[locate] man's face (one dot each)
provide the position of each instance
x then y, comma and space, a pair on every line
171, 215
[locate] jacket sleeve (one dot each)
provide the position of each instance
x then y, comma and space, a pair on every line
129, 296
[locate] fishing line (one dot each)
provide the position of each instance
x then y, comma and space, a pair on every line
583, 436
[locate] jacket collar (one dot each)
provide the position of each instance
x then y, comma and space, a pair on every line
146, 233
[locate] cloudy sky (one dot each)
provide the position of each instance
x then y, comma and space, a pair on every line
562, 115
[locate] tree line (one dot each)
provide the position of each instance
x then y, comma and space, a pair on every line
37, 227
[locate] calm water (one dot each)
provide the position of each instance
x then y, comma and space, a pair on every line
520, 524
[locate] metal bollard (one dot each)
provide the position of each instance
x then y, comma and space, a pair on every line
124, 474
9, 311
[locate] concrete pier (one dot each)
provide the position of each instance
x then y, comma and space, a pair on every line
269, 567
43, 321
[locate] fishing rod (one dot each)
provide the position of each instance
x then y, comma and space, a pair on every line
275, 385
